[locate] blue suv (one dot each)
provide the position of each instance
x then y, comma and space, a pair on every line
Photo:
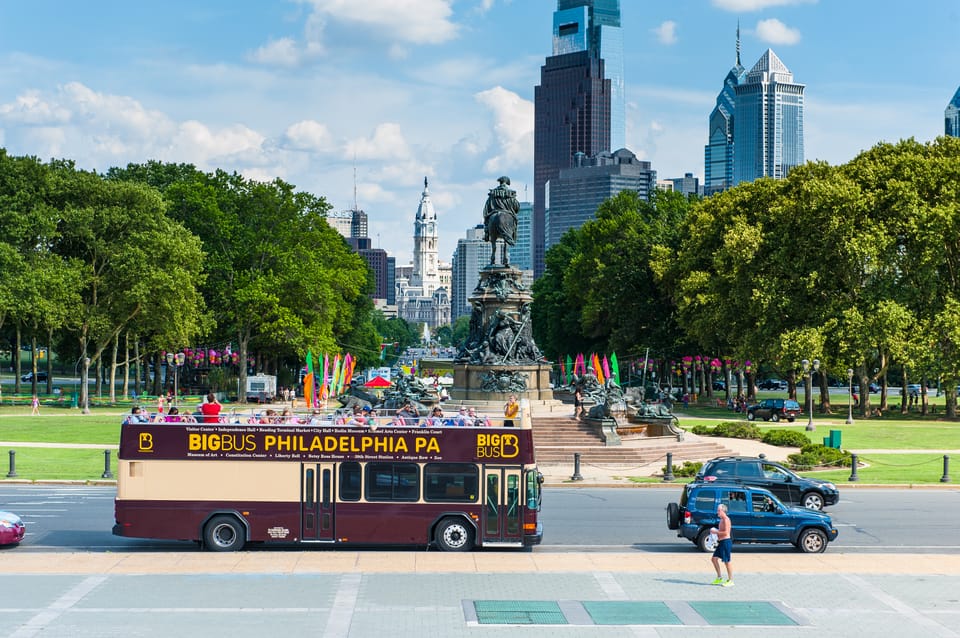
756, 516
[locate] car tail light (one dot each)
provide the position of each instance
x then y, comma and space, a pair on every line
687, 518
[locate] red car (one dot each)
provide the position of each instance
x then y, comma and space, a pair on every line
11, 528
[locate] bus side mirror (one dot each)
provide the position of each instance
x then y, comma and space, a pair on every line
539, 478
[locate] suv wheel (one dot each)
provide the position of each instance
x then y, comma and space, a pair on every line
812, 541
673, 516
704, 542
775, 417
751, 416
812, 500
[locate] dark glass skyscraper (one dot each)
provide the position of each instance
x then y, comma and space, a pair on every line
578, 105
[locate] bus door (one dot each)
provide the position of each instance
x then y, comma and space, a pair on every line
316, 501
502, 518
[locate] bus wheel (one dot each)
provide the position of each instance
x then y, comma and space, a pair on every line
224, 534
454, 535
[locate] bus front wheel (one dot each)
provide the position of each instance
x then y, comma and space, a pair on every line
224, 534
454, 535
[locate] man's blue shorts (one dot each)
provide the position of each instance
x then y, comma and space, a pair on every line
723, 550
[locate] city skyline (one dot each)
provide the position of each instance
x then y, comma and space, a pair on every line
312, 90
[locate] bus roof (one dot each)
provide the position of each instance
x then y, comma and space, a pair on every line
221, 441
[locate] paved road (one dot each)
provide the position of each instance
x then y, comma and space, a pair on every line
78, 518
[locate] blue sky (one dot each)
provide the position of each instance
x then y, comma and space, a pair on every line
313, 91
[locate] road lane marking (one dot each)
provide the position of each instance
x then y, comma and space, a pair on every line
39, 623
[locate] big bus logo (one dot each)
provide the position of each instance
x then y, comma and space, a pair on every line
497, 446
146, 442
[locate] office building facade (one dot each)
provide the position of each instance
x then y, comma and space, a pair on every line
718, 153
579, 103
951, 116
576, 193
470, 256
768, 136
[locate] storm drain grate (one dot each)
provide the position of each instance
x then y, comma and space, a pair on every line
621, 612
741, 613
518, 612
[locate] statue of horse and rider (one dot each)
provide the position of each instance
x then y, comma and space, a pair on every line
500, 219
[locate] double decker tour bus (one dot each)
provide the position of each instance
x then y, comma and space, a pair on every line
228, 484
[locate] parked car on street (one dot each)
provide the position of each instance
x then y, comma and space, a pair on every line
719, 385
12, 529
772, 384
774, 410
28, 377
756, 516
788, 486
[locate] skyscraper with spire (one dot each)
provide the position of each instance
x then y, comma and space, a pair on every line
768, 136
718, 153
579, 105
424, 297
951, 116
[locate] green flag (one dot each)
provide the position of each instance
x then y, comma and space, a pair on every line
309, 362
569, 369
615, 368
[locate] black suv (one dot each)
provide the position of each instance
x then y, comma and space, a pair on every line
756, 516
774, 410
28, 377
785, 484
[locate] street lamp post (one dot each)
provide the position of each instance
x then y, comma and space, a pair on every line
175, 361
86, 385
808, 375
849, 396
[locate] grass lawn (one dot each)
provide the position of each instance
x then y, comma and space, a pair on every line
902, 469
36, 464
102, 428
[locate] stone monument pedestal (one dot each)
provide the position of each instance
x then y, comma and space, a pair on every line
496, 383
500, 357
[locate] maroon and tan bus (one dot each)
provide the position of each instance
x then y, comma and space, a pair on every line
226, 485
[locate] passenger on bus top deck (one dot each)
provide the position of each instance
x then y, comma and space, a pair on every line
462, 418
137, 416
436, 418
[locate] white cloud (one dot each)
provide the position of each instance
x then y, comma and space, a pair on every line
309, 135
31, 108
512, 127
666, 32
776, 32
413, 21
387, 143
281, 52
200, 144
756, 5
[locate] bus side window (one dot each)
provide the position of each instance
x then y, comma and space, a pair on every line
350, 481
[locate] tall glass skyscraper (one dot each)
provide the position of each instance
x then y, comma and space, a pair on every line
579, 105
768, 136
951, 116
718, 153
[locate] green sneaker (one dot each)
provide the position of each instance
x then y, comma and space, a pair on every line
727, 583
717, 581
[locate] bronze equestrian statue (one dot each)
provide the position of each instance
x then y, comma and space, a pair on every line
500, 219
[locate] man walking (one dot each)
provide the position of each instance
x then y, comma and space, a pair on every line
724, 546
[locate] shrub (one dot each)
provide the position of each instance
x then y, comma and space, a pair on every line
785, 438
818, 455
729, 429
689, 468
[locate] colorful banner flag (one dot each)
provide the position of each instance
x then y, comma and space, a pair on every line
606, 367
615, 368
335, 376
595, 364
308, 389
569, 370
347, 370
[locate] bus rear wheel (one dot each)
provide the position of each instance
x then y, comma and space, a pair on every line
224, 534
454, 535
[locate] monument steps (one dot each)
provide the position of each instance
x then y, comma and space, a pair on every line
557, 439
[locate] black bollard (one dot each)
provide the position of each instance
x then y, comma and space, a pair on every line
946, 469
576, 468
668, 475
106, 465
13, 465
853, 468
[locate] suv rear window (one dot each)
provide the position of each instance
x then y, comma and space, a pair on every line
706, 501
791, 405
